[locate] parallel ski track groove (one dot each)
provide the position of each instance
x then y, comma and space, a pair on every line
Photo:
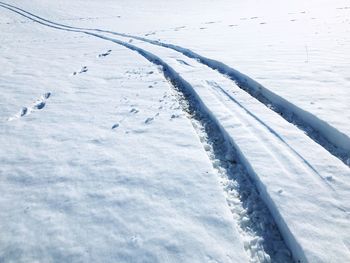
278, 137
194, 106
249, 85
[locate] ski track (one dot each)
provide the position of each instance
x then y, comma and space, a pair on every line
254, 219
263, 240
330, 138
284, 161
334, 141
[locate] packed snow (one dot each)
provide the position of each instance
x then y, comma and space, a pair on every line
177, 131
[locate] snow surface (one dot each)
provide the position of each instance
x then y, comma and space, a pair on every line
114, 149
73, 189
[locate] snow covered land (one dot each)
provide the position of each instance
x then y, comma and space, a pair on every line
175, 131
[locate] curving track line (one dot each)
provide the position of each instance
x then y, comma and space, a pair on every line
195, 107
330, 138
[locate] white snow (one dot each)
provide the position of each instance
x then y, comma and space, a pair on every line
73, 189
123, 139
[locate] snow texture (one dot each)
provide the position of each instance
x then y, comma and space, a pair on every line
209, 132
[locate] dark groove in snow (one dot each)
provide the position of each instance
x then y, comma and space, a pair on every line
330, 138
262, 238
333, 140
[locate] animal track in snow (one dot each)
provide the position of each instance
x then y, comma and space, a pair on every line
149, 34
125, 114
148, 120
104, 54
23, 111
37, 105
175, 116
179, 28
115, 126
138, 73
41, 102
133, 110
83, 70
151, 119
47, 95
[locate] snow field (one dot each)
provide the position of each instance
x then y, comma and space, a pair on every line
296, 182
